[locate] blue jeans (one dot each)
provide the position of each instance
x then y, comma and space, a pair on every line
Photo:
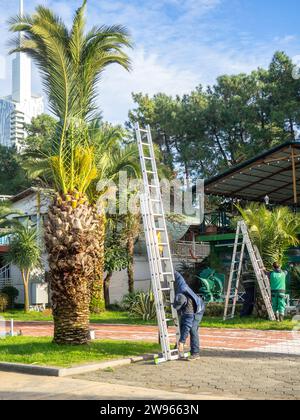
189, 325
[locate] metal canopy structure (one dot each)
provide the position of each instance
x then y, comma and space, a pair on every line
275, 173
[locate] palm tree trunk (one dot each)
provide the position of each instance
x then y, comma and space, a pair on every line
260, 307
70, 238
130, 267
25, 278
106, 288
97, 303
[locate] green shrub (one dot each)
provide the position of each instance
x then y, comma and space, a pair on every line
115, 307
4, 302
144, 306
12, 293
129, 300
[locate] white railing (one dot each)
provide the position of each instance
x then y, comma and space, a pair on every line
5, 279
4, 240
5, 283
5, 197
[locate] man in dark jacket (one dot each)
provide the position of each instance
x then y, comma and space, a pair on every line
191, 309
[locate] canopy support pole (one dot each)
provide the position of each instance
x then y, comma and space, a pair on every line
294, 178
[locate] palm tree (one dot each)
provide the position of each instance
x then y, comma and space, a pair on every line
273, 232
71, 63
25, 253
112, 155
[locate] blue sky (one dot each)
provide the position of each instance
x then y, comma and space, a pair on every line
178, 43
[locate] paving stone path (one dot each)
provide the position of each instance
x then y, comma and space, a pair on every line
239, 375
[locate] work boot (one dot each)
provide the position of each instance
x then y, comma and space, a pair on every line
281, 317
195, 356
277, 316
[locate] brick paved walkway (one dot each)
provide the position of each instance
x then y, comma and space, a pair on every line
282, 342
238, 375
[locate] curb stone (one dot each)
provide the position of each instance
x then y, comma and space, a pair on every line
61, 372
75, 370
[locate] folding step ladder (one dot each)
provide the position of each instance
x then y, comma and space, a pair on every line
158, 246
236, 270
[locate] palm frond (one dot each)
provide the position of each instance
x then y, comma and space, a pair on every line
71, 63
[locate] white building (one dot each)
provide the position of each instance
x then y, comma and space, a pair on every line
21, 106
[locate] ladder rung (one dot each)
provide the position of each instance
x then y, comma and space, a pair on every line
150, 172
157, 215
162, 244
148, 158
145, 144
167, 273
172, 335
165, 258
142, 130
154, 186
166, 289
160, 229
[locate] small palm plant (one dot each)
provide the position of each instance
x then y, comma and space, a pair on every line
25, 253
144, 306
273, 232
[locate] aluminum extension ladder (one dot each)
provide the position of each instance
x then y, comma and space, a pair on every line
158, 246
236, 270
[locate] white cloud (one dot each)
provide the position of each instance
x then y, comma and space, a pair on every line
150, 75
287, 39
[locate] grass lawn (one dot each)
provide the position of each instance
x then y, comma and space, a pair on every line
247, 323
119, 317
41, 351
